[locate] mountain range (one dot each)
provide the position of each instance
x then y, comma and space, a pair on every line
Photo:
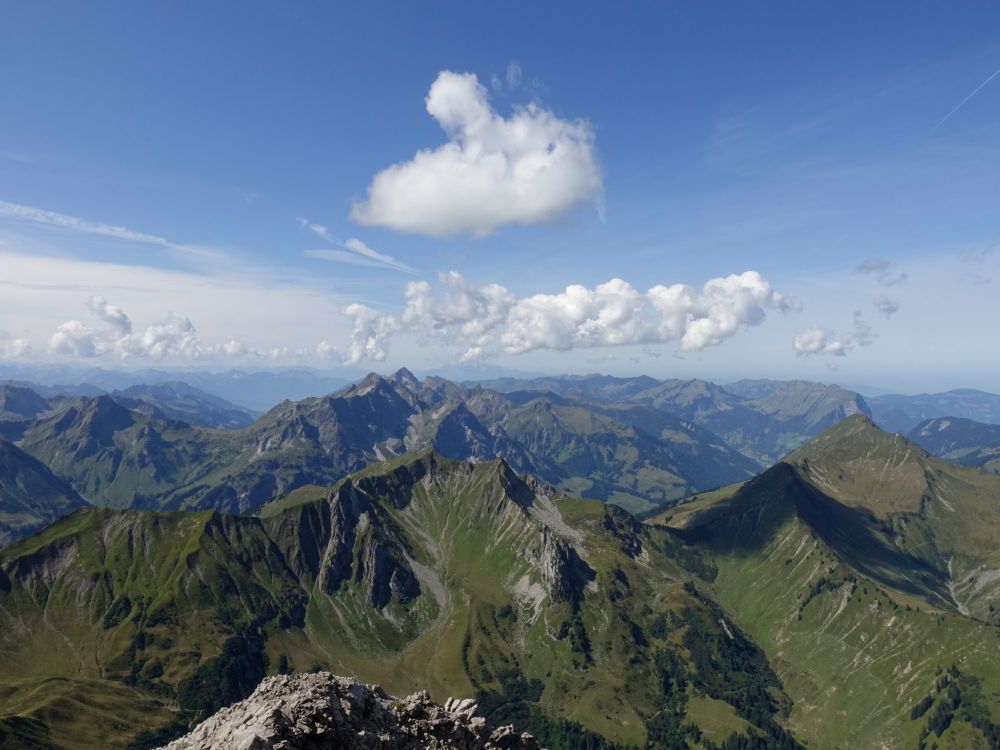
903, 413
844, 597
474, 540
962, 440
461, 578
635, 444
256, 391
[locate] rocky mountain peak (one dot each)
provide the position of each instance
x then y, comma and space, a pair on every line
404, 377
321, 711
370, 381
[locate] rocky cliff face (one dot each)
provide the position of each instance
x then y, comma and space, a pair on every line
322, 711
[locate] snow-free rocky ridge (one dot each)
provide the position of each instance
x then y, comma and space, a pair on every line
321, 711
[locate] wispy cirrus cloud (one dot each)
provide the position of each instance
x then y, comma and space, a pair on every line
888, 307
967, 99
318, 229
883, 271
83, 226
353, 252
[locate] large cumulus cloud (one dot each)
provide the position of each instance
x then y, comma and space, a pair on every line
524, 169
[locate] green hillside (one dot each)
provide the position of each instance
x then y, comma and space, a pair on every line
460, 578
853, 564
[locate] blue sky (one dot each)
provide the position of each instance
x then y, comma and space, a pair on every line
188, 184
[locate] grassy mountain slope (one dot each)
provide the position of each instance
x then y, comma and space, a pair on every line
850, 563
422, 572
31, 497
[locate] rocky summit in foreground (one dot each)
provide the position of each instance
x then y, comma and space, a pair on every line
320, 710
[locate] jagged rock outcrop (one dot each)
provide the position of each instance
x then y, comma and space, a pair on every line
322, 711
564, 574
344, 540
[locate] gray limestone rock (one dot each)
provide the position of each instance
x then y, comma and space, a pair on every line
321, 711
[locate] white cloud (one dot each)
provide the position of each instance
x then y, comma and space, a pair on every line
888, 307
371, 328
111, 314
510, 80
354, 251
360, 248
326, 349
357, 253
173, 336
484, 320
883, 271
82, 226
13, 348
528, 168
247, 312
75, 338
818, 340
317, 229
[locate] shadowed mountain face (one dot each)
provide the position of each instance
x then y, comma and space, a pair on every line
420, 573
120, 457
860, 538
961, 440
31, 497
18, 406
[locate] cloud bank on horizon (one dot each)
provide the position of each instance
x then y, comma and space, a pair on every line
528, 168
485, 320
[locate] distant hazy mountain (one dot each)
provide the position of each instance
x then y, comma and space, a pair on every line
423, 573
762, 419
176, 400
258, 391
121, 457
903, 413
962, 440
20, 402
869, 566
31, 497
19, 405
